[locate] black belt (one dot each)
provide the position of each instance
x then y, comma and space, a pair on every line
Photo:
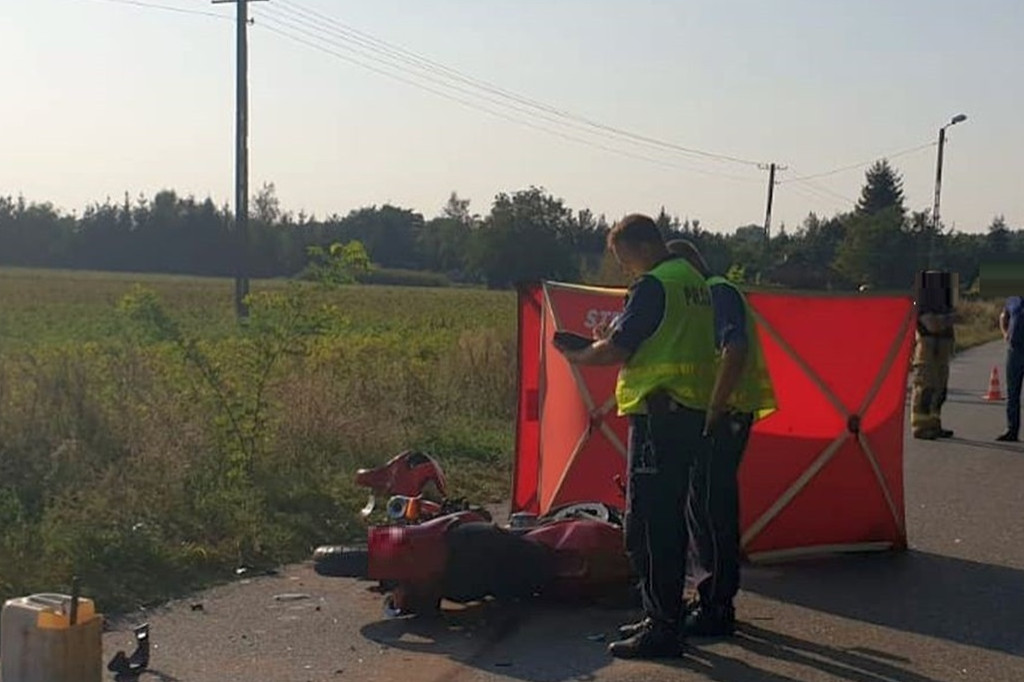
663, 403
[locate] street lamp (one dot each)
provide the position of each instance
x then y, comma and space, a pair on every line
959, 118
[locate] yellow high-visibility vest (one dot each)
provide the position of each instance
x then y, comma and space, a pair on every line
755, 393
679, 358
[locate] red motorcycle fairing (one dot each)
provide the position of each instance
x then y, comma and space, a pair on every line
588, 553
573, 558
415, 553
407, 473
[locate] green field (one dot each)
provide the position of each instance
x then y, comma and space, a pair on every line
149, 444
152, 447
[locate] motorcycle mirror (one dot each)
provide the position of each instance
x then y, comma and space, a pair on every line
368, 509
398, 507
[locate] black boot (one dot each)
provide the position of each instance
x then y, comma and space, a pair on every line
653, 640
631, 629
710, 621
1007, 438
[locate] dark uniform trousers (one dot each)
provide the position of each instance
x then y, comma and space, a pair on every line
713, 514
1014, 379
663, 445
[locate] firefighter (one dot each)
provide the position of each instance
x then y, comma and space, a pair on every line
664, 342
933, 352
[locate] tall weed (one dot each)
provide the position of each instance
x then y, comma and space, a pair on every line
162, 456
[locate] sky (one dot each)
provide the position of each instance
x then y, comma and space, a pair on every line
103, 97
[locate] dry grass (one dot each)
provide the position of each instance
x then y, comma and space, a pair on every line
978, 323
125, 463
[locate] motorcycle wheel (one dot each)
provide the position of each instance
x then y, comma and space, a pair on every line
597, 511
340, 561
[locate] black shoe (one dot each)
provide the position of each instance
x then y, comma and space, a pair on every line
1007, 438
945, 433
710, 621
654, 640
634, 628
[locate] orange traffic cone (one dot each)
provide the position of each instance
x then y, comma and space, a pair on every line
994, 393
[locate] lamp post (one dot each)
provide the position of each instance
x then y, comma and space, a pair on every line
959, 118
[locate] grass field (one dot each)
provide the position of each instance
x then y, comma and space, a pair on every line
149, 445
978, 323
148, 458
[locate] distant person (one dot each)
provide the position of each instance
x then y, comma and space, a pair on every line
1011, 322
664, 342
933, 353
743, 391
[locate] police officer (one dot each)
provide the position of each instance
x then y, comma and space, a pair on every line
932, 355
1011, 323
743, 393
664, 341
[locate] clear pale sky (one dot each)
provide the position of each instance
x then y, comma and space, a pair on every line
101, 97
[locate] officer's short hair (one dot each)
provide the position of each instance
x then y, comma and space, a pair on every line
634, 230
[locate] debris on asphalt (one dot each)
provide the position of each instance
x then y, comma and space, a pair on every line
291, 596
132, 666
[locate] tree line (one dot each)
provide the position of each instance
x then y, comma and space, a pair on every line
527, 234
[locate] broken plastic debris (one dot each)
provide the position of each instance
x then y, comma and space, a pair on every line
294, 596
368, 509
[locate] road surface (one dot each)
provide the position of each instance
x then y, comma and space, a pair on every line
950, 609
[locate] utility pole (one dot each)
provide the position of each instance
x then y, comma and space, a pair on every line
959, 118
935, 208
241, 155
768, 211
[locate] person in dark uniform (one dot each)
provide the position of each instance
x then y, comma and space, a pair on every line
1011, 322
743, 393
664, 342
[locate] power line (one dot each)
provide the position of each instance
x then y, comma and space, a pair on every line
376, 44
823, 190
345, 36
275, 29
315, 32
814, 193
863, 163
338, 28
168, 8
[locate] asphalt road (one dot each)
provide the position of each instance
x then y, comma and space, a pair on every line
951, 608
